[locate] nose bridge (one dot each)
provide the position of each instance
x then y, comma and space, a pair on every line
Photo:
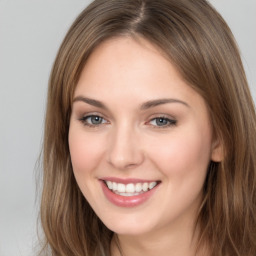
125, 150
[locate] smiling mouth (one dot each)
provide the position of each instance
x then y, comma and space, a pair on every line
130, 189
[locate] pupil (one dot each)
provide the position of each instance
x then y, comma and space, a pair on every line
96, 120
161, 121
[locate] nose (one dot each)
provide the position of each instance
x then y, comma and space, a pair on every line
125, 150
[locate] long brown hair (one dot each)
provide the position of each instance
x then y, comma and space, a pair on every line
200, 44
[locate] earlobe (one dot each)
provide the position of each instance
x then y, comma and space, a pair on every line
217, 154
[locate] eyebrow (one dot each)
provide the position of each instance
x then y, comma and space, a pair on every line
144, 106
89, 101
157, 102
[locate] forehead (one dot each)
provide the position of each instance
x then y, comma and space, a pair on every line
123, 75
128, 63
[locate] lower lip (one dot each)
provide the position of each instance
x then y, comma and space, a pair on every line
127, 201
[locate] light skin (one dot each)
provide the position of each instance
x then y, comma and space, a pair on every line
133, 116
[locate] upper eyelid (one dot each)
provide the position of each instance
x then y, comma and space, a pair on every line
83, 112
162, 115
92, 113
106, 112
147, 118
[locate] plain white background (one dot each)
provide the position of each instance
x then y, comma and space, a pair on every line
30, 34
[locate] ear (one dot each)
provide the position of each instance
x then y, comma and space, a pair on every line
217, 154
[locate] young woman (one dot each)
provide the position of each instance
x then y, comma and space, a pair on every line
150, 135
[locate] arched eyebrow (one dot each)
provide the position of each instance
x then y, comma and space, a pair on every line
144, 106
93, 102
157, 102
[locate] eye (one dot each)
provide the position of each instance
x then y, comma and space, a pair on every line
162, 122
93, 120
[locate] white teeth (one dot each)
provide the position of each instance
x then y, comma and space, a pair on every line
152, 184
114, 187
145, 187
138, 187
130, 189
120, 188
110, 184
127, 194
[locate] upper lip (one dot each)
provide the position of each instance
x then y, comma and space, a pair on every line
127, 180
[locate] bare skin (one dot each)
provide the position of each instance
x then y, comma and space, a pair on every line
134, 117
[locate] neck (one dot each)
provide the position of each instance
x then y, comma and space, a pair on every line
177, 242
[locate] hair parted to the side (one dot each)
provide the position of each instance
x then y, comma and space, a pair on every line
200, 44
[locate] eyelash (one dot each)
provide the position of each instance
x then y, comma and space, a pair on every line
167, 121
85, 122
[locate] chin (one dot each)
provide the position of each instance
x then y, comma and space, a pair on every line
131, 227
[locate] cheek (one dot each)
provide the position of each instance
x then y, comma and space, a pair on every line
185, 153
85, 151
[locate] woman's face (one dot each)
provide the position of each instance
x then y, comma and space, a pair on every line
140, 139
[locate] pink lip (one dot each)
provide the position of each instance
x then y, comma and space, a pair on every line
127, 201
